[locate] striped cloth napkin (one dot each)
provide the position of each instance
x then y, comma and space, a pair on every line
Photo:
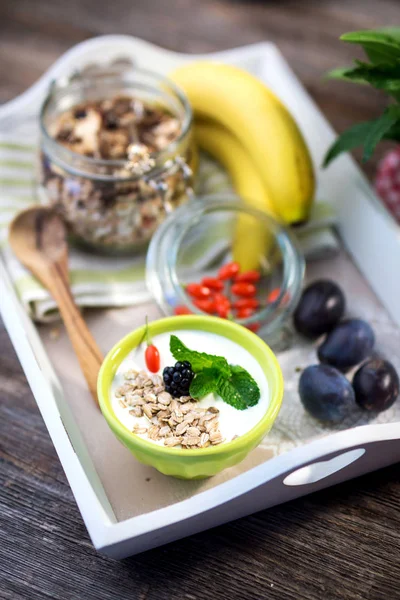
97, 280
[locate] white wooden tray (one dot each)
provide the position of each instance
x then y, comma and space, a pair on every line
128, 507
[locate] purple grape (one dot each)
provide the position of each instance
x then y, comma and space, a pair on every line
347, 345
326, 393
321, 307
376, 385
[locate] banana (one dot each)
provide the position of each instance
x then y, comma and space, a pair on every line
263, 126
251, 241
222, 145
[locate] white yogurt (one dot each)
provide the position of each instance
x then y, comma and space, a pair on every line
232, 422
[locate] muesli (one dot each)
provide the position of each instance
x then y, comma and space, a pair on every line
101, 179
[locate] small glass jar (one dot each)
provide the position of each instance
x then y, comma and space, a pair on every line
106, 204
209, 232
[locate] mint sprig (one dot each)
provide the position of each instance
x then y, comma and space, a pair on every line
198, 360
213, 374
382, 48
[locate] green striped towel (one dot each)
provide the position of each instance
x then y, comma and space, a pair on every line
98, 280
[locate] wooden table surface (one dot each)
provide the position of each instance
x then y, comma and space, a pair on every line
342, 543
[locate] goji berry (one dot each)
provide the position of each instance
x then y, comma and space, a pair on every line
243, 313
246, 303
196, 290
254, 327
181, 309
244, 289
248, 277
151, 355
207, 305
274, 295
213, 283
222, 305
229, 271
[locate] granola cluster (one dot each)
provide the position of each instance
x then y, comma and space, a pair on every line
105, 129
175, 421
114, 207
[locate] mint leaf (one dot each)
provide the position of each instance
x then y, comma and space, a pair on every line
379, 45
378, 130
204, 383
245, 385
366, 134
350, 139
213, 374
382, 77
198, 360
240, 390
344, 74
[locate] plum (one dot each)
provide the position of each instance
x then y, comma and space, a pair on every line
326, 393
376, 385
320, 308
347, 345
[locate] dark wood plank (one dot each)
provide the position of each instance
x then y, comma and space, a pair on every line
342, 543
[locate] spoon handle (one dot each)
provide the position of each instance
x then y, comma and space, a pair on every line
84, 344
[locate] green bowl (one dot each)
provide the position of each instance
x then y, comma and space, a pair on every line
199, 463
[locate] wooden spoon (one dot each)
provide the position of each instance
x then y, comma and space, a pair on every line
38, 238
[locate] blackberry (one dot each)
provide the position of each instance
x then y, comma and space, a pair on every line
177, 379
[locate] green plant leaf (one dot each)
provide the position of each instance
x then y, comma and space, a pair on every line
213, 374
366, 134
379, 45
198, 360
204, 383
240, 390
383, 77
350, 139
379, 129
245, 385
344, 74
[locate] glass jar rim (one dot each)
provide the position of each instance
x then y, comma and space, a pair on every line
162, 255
90, 79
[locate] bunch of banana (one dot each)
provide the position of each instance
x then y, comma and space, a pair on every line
242, 124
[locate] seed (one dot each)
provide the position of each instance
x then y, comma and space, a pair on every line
153, 432
137, 411
172, 441
216, 437
213, 409
204, 439
192, 431
190, 441
164, 398
181, 428
178, 416
184, 399
163, 415
131, 374
210, 425
164, 431
122, 403
157, 380
190, 417
139, 430
134, 399
147, 411
174, 405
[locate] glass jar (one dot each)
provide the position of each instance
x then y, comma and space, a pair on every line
209, 232
113, 205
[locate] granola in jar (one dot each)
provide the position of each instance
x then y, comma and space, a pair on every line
115, 163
